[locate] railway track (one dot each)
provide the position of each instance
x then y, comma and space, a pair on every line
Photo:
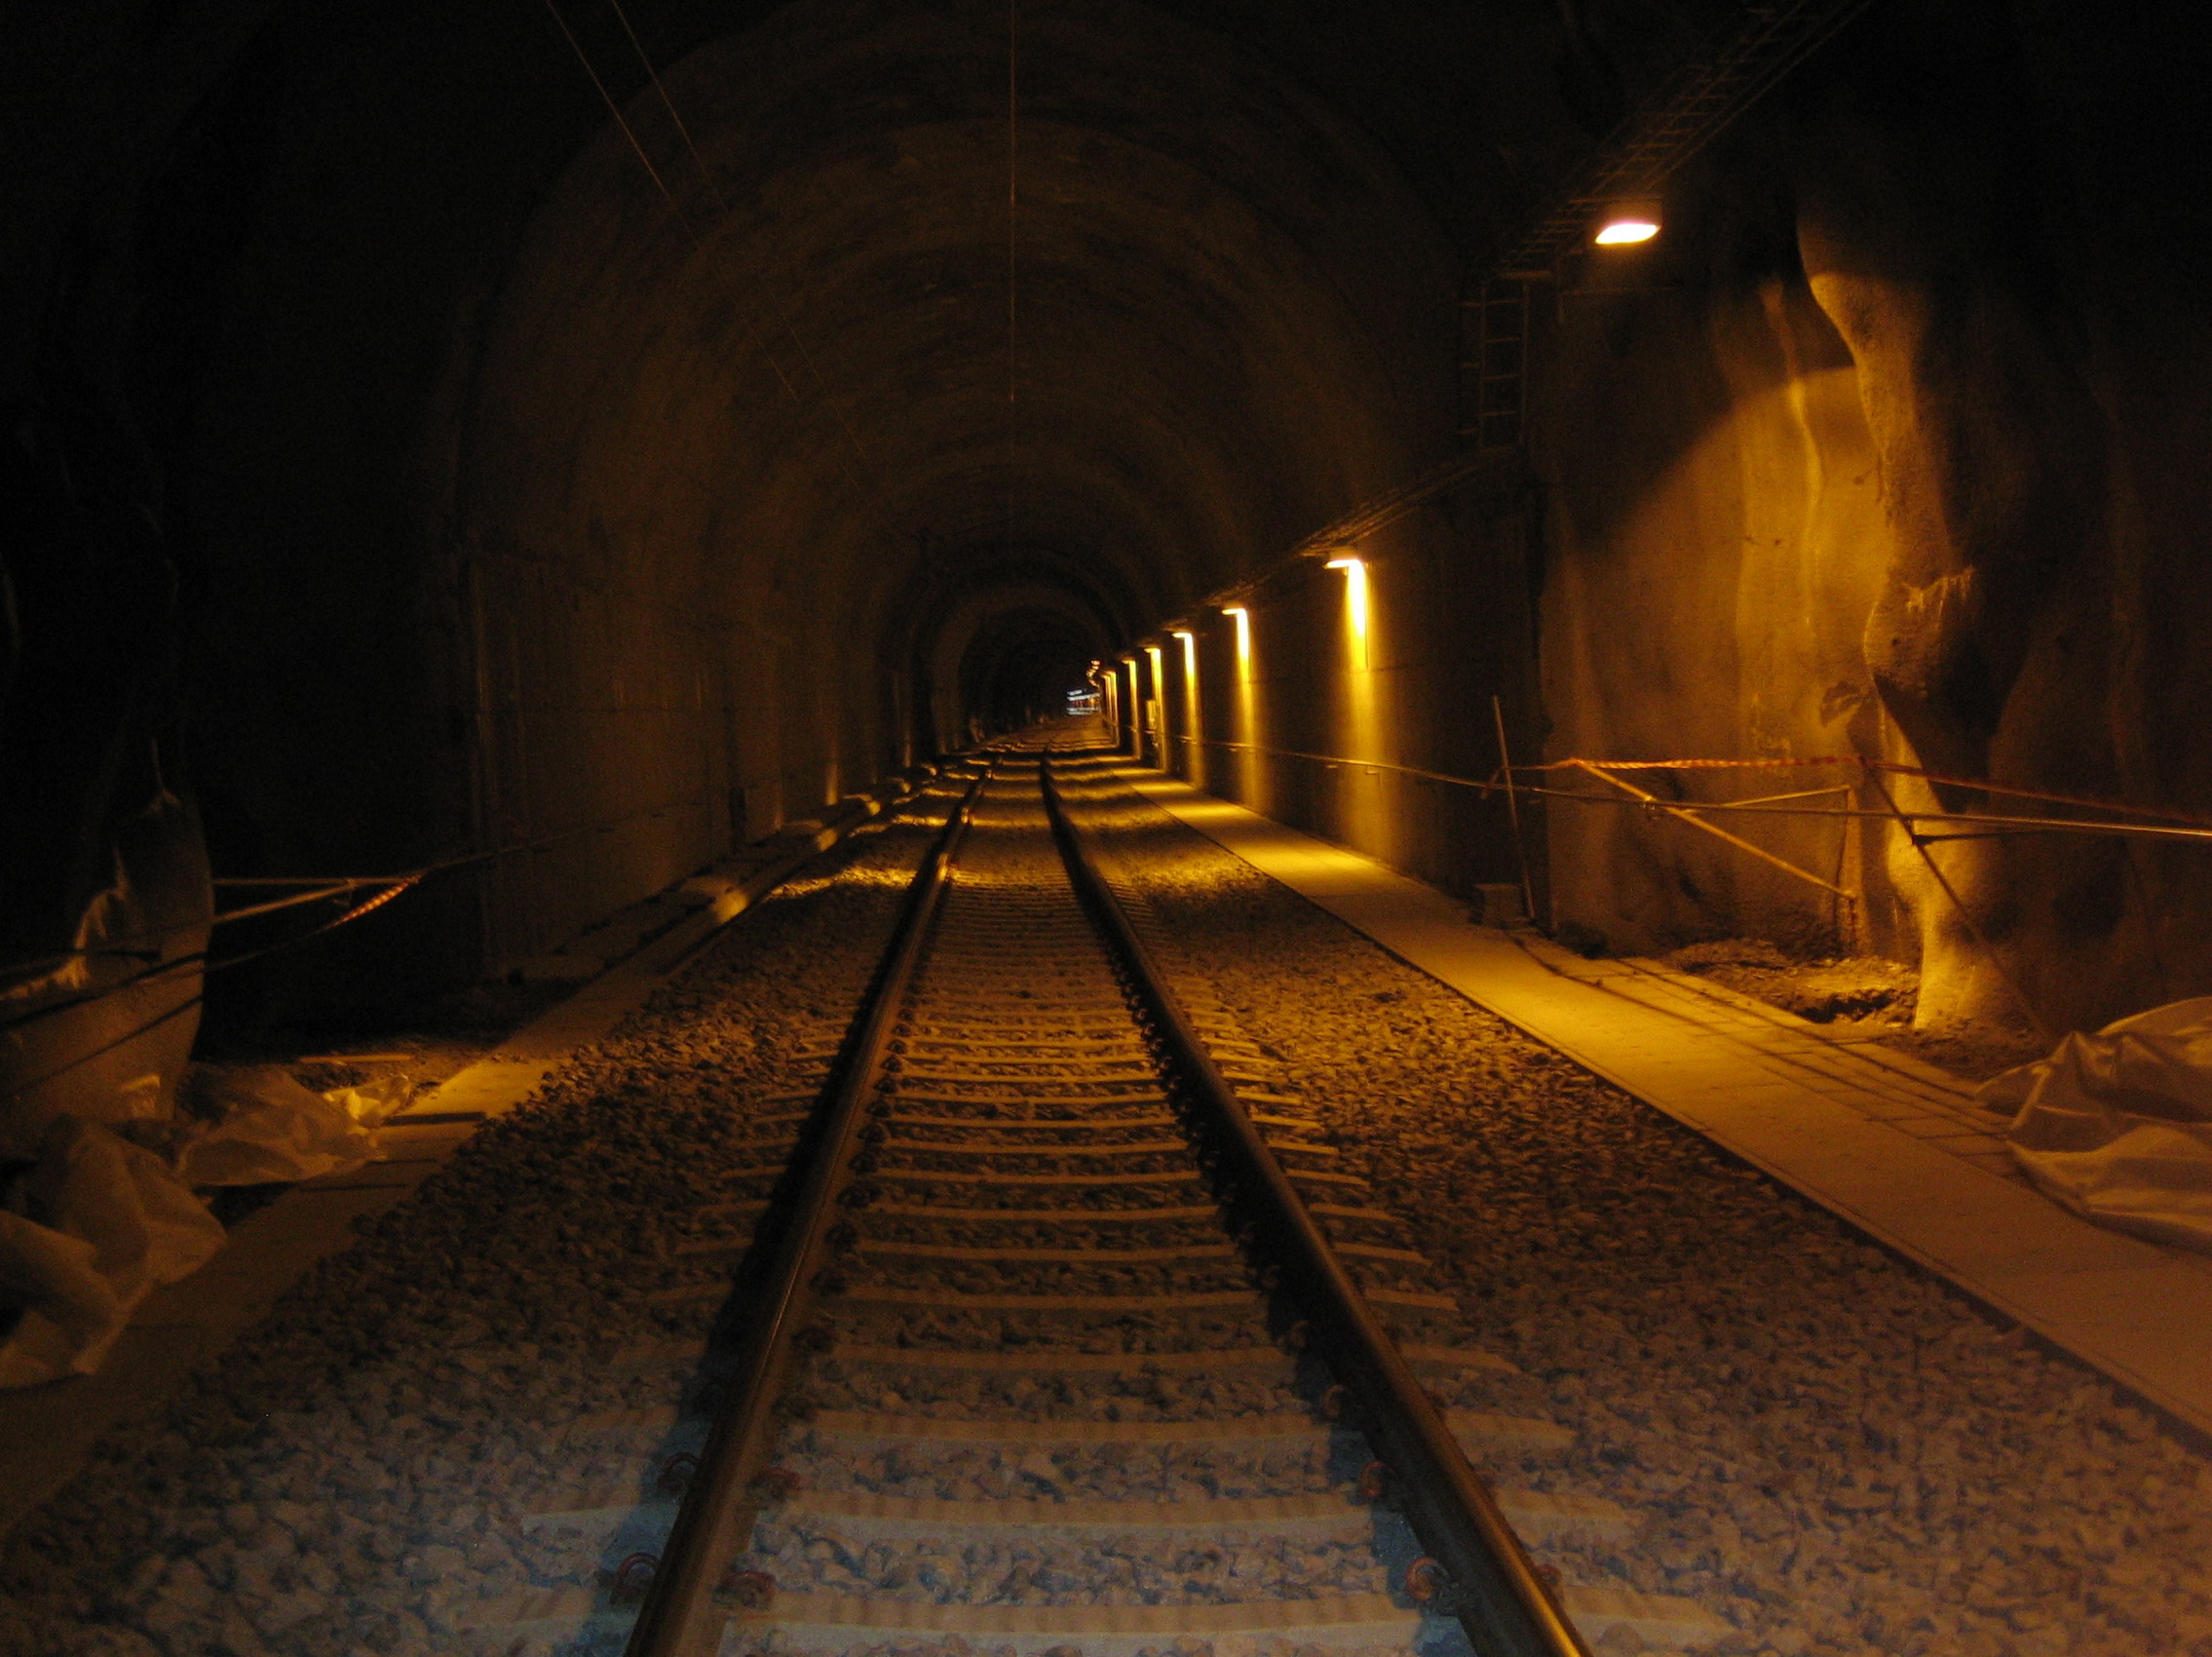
1057, 1326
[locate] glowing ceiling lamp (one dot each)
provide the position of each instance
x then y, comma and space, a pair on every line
1244, 629
1624, 224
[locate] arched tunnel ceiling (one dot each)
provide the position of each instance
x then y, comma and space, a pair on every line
1230, 317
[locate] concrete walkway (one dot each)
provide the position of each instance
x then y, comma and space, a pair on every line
1894, 1145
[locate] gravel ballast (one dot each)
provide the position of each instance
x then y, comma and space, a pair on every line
1830, 1449
352, 1475
1819, 1444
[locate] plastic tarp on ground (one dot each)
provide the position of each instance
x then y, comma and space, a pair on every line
100, 1221
2118, 1124
100, 1164
268, 1129
114, 1223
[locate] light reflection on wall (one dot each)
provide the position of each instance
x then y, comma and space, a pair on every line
1361, 791
1354, 609
1156, 710
1193, 744
1250, 773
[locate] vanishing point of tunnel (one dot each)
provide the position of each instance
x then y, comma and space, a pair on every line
649, 644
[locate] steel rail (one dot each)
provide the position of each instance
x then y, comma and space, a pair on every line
1497, 1596
678, 1617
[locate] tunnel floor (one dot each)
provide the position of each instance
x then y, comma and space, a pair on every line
1824, 1449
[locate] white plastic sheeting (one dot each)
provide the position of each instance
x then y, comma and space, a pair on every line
104, 1035
114, 1223
270, 1130
104, 1221
2118, 1124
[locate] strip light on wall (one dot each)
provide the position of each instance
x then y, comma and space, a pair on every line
1244, 618
1354, 597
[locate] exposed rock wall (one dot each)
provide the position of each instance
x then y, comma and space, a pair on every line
1715, 540
1912, 479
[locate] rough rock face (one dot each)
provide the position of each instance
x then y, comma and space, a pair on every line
2004, 407
1935, 512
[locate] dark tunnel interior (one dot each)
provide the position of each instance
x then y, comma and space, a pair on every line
571, 442
1630, 580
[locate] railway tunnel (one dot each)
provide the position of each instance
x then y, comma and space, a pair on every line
1673, 527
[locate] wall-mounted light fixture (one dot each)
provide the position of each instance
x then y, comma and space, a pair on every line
1243, 619
1354, 598
1626, 224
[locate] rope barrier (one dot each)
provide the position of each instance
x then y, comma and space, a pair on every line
1686, 814
22, 973
198, 960
2183, 827
2200, 828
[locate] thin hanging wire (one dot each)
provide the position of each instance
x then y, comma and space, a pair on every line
1014, 208
722, 204
675, 207
615, 109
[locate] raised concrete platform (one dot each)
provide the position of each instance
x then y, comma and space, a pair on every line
1894, 1145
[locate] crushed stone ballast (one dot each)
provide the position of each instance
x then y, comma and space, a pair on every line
998, 1368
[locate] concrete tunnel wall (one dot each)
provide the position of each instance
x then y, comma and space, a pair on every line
503, 497
1877, 453
673, 556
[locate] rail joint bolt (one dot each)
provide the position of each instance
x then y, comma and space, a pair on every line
1431, 1587
628, 1582
755, 1590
